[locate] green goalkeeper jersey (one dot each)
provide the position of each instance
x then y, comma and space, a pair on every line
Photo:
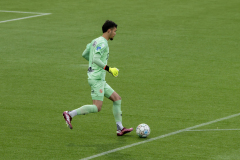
97, 53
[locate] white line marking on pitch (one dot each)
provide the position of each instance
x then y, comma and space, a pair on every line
202, 130
37, 15
159, 137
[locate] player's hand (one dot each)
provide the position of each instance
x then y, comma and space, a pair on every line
114, 71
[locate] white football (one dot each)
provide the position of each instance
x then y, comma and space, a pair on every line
143, 130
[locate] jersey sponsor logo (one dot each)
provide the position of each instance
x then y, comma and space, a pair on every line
94, 43
98, 48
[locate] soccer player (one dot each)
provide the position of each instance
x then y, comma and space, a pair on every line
97, 53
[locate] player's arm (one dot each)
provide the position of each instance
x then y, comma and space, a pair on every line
97, 61
86, 52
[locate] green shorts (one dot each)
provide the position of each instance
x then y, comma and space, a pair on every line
99, 89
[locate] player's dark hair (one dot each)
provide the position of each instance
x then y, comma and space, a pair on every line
107, 25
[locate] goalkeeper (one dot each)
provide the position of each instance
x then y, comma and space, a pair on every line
97, 53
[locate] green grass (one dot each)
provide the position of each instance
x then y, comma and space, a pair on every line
179, 67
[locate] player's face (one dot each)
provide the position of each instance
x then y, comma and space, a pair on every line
112, 33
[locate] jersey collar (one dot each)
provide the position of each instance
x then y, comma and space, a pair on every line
104, 39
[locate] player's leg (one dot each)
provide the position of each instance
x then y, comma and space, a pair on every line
117, 113
97, 94
117, 100
98, 103
68, 115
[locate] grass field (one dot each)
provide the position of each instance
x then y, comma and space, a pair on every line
179, 67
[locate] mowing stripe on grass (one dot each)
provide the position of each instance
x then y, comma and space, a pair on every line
159, 137
37, 15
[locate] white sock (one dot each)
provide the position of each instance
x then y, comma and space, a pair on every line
119, 125
72, 113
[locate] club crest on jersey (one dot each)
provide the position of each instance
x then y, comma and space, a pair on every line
98, 48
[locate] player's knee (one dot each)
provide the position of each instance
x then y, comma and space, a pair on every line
99, 106
119, 98
115, 97
99, 109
